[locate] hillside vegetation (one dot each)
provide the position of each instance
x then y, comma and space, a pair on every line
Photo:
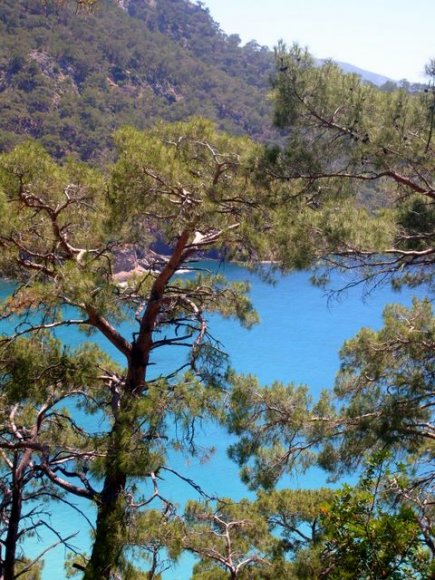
70, 79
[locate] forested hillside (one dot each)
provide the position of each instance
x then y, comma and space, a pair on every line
70, 79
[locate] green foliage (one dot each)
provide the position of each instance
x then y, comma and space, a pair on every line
365, 531
314, 233
189, 176
278, 428
295, 516
416, 217
385, 381
46, 367
349, 140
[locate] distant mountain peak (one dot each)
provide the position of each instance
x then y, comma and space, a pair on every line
372, 77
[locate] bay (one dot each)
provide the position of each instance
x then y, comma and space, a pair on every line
297, 340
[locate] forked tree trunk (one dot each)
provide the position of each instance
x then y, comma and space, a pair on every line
111, 529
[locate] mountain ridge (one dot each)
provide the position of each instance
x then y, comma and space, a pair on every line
370, 76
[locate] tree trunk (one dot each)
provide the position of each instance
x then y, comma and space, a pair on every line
111, 528
13, 527
110, 525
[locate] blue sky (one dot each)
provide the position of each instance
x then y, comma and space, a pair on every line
395, 38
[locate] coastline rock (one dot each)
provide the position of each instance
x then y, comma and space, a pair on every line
132, 259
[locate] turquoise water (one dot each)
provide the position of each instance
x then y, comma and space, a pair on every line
297, 340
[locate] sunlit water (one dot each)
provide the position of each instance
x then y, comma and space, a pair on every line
297, 340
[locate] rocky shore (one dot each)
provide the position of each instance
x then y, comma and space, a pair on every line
131, 259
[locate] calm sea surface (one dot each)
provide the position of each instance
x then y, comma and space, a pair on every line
297, 340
